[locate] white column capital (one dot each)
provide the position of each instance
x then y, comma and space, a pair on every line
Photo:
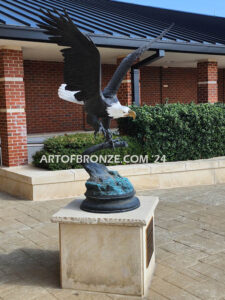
206, 60
8, 47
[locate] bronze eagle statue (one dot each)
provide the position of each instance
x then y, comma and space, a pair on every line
82, 72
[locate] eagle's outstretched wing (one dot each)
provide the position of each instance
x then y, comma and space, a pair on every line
82, 69
114, 84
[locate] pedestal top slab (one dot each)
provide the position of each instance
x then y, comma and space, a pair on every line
139, 217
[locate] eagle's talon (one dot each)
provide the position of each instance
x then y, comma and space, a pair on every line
108, 135
102, 130
113, 143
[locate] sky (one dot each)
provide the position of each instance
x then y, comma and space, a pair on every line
209, 7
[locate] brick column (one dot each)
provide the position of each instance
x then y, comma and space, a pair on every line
125, 91
207, 82
13, 128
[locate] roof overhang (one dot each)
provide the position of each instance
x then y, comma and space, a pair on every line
37, 35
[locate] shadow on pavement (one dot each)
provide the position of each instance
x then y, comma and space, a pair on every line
35, 267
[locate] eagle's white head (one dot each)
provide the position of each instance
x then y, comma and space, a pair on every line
116, 111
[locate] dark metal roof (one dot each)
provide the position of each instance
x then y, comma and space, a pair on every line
204, 25
109, 18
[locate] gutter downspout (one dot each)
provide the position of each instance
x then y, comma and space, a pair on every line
135, 74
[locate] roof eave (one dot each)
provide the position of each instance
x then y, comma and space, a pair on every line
37, 35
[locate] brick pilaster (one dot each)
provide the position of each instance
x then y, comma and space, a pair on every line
125, 91
13, 129
207, 82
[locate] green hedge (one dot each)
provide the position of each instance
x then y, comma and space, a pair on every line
74, 145
178, 131
174, 131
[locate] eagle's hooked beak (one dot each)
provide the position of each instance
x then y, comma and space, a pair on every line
131, 114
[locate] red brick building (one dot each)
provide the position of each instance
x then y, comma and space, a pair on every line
188, 65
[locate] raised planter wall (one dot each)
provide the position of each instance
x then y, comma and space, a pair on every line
31, 183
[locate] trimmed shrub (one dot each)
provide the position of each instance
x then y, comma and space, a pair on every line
75, 145
178, 131
174, 131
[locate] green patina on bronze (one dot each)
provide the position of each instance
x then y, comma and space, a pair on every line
114, 185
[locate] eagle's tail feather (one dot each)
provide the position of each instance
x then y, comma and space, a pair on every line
68, 95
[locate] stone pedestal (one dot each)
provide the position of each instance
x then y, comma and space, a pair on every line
107, 253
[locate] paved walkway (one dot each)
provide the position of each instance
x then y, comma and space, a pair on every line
190, 244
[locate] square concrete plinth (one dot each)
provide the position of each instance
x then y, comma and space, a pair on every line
109, 253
